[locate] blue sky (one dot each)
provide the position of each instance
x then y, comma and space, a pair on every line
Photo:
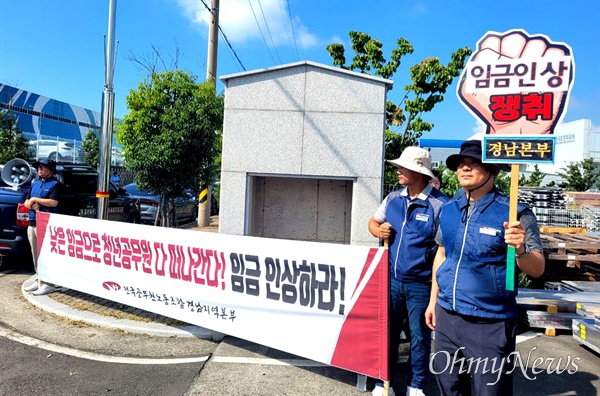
55, 48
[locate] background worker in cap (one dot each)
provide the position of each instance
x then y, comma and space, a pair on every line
409, 218
116, 179
472, 313
43, 197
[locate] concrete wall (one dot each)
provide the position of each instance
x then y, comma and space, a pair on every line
308, 121
301, 208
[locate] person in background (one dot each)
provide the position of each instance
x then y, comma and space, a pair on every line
409, 218
473, 314
43, 197
436, 180
116, 179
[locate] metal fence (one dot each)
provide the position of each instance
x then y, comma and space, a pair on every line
59, 150
62, 150
126, 175
388, 188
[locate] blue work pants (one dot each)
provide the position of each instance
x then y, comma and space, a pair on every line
410, 300
473, 350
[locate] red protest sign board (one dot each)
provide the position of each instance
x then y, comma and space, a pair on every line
517, 83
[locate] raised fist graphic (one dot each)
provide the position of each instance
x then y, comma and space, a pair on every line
518, 84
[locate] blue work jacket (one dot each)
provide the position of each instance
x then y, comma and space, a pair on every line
412, 245
41, 189
472, 279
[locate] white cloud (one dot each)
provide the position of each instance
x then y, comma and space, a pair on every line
338, 40
304, 37
239, 22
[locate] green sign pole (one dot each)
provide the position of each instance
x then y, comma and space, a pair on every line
512, 216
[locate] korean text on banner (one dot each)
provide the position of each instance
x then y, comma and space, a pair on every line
325, 302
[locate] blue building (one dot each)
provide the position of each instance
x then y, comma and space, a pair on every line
40, 117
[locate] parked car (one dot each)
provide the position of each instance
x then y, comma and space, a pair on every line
186, 206
116, 158
58, 151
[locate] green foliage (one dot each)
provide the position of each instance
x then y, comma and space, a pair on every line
450, 183
429, 81
12, 142
216, 192
524, 280
392, 149
580, 176
534, 180
449, 180
369, 55
91, 148
170, 136
502, 182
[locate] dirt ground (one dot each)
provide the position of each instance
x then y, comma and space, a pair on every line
212, 227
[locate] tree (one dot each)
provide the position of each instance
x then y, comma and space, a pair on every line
169, 136
580, 176
91, 147
429, 81
502, 182
534, 180
12, 142
449, 181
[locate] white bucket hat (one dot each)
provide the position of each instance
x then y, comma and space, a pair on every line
415, 159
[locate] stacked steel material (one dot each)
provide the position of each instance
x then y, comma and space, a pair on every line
586, 329
575, 286
550, 207
556, 309
591, 217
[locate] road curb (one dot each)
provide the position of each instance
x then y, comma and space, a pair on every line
47, 304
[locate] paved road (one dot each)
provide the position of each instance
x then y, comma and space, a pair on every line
40, 350
41, 353
30, 370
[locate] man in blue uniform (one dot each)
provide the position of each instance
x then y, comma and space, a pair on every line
409, 218
116, 179
43, 197
472, 313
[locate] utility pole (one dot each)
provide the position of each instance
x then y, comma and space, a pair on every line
213, 42
204, 199
108, 110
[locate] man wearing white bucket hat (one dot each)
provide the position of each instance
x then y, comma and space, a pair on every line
409, 219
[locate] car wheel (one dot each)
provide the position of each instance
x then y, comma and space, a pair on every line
55, 157
194, 214
171, 220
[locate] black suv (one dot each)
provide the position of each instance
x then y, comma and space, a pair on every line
79, 195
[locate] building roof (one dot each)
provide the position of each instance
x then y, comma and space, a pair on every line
228, 77
439, 143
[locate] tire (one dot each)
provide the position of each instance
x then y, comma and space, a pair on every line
171, 220
55, 157
194, 214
